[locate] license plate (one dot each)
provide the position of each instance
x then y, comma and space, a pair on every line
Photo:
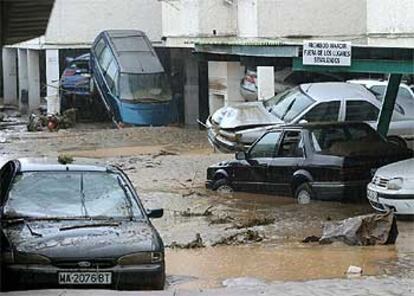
373, 195
85, 278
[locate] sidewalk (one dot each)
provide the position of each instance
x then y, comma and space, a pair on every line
336, 287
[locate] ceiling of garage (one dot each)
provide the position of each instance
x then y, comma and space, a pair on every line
23, 19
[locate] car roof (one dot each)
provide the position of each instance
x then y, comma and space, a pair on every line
315, 125
326, 91
372, 82
52, 164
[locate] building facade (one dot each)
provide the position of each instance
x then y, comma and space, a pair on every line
234, 35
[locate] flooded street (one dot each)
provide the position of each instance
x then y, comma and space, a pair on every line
242, 235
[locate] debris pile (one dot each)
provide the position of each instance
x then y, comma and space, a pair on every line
68, 119
240, 238
365, 230
195, 244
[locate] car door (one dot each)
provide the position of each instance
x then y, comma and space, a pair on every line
289, 157
259, 157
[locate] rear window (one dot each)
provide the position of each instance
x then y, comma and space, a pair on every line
343, 140
70, 195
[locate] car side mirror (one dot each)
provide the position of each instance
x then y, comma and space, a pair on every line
241, 155
155, 213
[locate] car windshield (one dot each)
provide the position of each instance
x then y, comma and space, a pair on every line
70, 195
344, 140
289, 104
145, 88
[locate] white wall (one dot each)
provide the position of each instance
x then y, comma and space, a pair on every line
247, 18
79, 21
390, 16
197, 18
285, 18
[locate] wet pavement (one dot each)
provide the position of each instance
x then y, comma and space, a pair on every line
168, 166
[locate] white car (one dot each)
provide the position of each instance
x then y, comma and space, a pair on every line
392, 188
236, 127
405, 96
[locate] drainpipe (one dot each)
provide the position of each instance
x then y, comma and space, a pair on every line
388, 104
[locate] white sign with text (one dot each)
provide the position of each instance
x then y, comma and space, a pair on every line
327, 53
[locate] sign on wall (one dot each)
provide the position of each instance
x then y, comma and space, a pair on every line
327, 53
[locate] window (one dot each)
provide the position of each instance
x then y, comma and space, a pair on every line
99, 47
361, 111
291, 145
70, 194
403, 94
289, 104
105, 59
266, 146
323, 112
111, 76
344, 140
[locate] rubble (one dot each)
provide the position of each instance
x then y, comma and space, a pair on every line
255, 221
40, 122
240, 238
365, 230
189, 213
195, 244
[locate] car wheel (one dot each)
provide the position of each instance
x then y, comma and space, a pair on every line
398, 141
304, 194
159, 283
223, 186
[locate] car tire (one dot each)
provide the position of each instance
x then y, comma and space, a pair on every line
304, 194
223, 186
398, 141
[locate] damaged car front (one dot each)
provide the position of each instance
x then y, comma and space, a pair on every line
71, 226
235, 128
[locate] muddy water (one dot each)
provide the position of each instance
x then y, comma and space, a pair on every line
211, 266
176, 183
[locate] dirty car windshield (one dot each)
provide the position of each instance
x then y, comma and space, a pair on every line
145, 88
288, 105
344, 140
69, 195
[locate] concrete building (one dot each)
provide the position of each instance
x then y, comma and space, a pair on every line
19, 20
233, 34
227, 35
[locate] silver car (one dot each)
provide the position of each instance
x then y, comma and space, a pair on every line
236, 127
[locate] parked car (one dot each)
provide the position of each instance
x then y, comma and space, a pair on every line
236, 127
324, 161
75, 80
78, 225
392, 188
405, 96
284, 79
130, 79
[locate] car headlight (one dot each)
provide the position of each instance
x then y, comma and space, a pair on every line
395, 184
141, 258
24, 258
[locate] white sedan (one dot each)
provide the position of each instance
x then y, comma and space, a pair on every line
392, 188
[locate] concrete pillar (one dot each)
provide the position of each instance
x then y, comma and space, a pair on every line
224, 84
235, 73
52, 72
9, 58
191, 90
265, 82
33, 78
23, 82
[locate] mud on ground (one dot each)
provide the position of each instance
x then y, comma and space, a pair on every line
211, 237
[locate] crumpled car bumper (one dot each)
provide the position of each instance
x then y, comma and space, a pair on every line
23, 277
224, 145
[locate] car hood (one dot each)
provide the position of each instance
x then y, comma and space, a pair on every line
57, 239
243, 115
403, 169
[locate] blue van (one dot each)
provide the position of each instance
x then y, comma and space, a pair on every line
130, 79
